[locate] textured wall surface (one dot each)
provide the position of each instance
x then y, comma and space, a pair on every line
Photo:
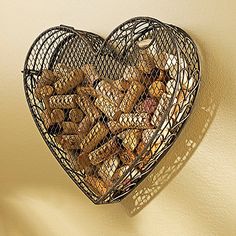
191, 192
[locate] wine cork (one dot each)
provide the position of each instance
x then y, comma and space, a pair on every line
87, 106
69, 127
71, 157
145, 61
176, 67
43, 88
114, 126
133, 175
145, 156
130, 138
95, 135
170, 87
112, 93
149, 105
131, 96
147, 135
160, 60
127, 157
165, 61
46, 103
37, 92
61, 70
84, 163
90, 72
121, 84
108, 108
98, 186
84, 126
173, 71
63, 101
46, 91
57, 115
131, 73
157, 146
175, 109
144, 43
180, 101
186, 82
119, 172
166, 128
103, 152
135, 120
156, 89
47, 78
76, 115
88, 90
69, 141
181, 96
46, 118
140, 148
160, 110
52, 126
69, 81
108, 168
43, 92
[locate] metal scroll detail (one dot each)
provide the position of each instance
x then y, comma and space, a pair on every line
109, 110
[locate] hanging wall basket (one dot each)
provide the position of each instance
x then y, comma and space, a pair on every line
110, 109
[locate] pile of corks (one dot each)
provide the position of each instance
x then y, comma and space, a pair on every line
104, 124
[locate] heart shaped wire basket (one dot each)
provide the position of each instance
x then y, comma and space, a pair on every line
110, 109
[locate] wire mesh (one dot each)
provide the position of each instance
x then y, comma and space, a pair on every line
109, 110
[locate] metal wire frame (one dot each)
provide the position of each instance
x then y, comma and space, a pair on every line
110, 57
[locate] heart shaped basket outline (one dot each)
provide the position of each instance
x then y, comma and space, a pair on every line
140, 44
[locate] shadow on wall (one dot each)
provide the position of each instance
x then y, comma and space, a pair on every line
194, 131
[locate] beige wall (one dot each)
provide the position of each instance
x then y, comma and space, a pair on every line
37, 198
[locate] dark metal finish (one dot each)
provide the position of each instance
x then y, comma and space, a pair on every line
163, 54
